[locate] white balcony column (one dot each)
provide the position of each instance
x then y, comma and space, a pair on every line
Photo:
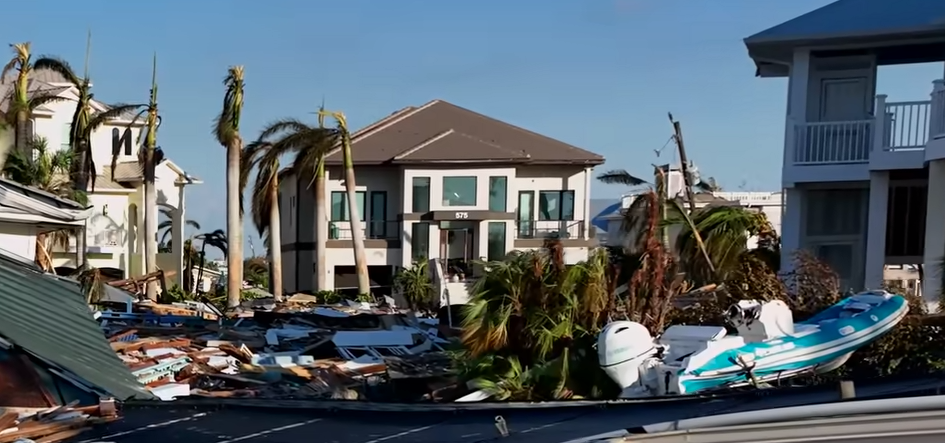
937, 109
796, 102
934, 234
177, 235
791, 221
586, 226
876, 229
879, 125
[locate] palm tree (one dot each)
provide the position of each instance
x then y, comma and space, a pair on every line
527, 319
725, 231
21, 101
166, 228
309, 145
227, 131
50, 173
149, 156
84, 122
416, 286
357, 235
262, 157
216, 239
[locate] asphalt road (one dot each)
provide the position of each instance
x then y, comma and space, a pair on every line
230, 425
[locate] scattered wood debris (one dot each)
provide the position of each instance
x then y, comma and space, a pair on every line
53, 425
292, 350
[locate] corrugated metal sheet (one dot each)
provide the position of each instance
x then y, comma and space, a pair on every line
49, 318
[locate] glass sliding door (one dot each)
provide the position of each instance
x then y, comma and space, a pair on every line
378, 225
496, 241
526, 206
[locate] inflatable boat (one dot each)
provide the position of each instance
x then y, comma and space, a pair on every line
768, 346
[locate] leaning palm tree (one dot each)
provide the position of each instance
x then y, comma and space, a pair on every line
261, 156
308, 145
21, 101
84, 122
48, 172
216, 239
166, 228
227, 131
357, 235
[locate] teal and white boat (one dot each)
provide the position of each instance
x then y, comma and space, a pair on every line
769, 346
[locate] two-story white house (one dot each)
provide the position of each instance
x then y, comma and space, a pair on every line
863, 173
438, 181
115, 227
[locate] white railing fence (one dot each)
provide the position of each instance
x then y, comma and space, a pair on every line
833, 142
898, 126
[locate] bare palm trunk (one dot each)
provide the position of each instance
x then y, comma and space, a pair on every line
234, 258
22, 134
357, 235
81, 183
275, 243
321, 229
150, 222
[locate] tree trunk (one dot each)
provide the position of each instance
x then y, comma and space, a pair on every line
198, 285
357, 235
22, 135
81, 183
234, 235
321, 229
150, 222
275, 243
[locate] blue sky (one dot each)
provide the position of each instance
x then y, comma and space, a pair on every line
600, 74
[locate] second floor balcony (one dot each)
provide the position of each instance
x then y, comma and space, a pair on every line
899, 127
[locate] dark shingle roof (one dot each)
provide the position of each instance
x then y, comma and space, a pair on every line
48, 317
443, 132
858, 18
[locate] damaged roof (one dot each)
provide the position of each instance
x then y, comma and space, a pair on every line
48, 317
441, 132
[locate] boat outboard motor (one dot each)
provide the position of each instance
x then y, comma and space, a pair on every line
622, 348
759, 321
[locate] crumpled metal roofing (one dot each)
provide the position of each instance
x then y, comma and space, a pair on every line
49, 318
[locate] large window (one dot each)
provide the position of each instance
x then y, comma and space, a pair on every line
459, 191
421, 194
498, 194
420, 240
556, 205
496, 241
378, 224
339, 206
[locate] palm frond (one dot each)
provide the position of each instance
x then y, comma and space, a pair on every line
620, 177
59, 66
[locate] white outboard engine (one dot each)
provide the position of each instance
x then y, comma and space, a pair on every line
759, 321
623, 348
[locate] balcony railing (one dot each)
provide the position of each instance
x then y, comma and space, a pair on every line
902, 126
372, 229
560, 229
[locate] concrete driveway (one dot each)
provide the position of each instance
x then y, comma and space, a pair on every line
230, 425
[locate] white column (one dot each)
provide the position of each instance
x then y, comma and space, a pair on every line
937, 110
796, 102
587, 203
876, 229
934, 234
177, 235
880, 137
791, 227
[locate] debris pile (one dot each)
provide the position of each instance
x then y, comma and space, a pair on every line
54, 424
293, 350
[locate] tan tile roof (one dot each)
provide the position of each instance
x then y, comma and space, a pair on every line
125, 172
440, 131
